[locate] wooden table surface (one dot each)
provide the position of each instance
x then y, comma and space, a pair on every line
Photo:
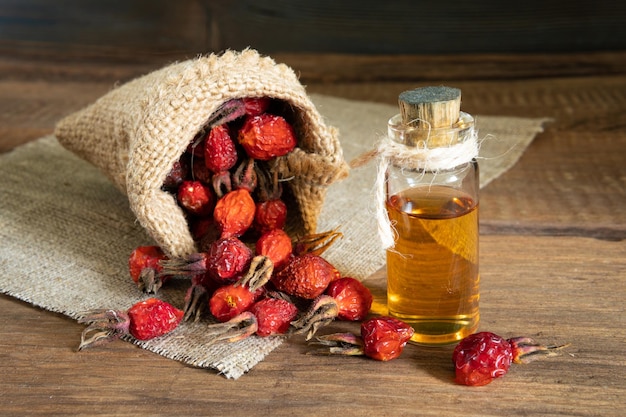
553, 258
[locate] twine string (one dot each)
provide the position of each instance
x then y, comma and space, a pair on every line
420, 158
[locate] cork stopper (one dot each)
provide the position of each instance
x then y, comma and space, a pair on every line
428, 109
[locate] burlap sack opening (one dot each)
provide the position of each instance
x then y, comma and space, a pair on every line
137, 131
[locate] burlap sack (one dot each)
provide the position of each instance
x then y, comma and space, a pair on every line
137, 131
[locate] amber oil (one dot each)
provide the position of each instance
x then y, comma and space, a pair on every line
432, 271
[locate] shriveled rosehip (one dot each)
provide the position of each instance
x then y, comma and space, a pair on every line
271, 214
227, 259
305, 276
352, 296
176, 176
145, 268
234, 212
231, 300
266, 136
345, 298
480, 358
384, 337
256, 105
273, 316
220, 153
199, 172
276, 245
196, 198
144, 320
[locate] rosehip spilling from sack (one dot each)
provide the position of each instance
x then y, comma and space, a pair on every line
267, 136
345, 299
231, 300
267, 317
482, 357
144, 320
305, 276
144, 266
382, 338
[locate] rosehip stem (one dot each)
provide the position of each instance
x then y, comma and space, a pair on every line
340, 344
104, 327
195, 302
245, 176
149, 282
194, 264
317, 243
322, 312
222, 183
234, 330
227, 112
526, 350
259, 273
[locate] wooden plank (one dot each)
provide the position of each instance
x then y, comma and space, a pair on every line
553, 289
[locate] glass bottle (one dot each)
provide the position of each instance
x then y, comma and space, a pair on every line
432, 267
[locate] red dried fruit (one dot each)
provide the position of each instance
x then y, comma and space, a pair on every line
384, 337
196, 198
234, 213
228, 259
345, 298
220, 153
271, 214
305, 276
144, 266
231, 300
199, 172
276, 245
266, 136
144, 320
353, 298
482, 357
256, 105
271, 211
176, 176
273, 315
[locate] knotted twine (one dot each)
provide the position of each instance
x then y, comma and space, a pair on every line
419, 157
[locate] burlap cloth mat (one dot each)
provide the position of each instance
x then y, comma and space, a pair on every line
66, 231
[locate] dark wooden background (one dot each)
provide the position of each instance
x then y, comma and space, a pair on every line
150, 30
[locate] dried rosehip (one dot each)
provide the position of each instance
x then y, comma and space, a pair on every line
384, 337
144, 320
353, 298
305, 276
227, 259
144, 265
231, 300
276, 245
176, 176
220, 153
266, 136
234, 212
482, 357
196, 198
273, 315
345, 298
256, 105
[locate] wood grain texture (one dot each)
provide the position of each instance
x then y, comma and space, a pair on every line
556, 290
